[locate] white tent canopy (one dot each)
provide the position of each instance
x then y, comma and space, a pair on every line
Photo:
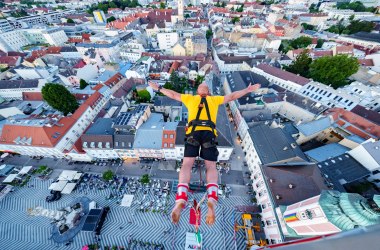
127, 200
67, 175
58, 186
77, 176
68, 188
10, 178
25, 170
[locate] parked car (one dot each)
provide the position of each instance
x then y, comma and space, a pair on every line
54, 196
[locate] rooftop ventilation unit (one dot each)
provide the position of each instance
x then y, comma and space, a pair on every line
278, 197
291, 186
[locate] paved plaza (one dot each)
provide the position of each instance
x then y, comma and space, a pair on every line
20, 231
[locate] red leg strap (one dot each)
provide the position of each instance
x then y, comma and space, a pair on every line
212, 191
181, 195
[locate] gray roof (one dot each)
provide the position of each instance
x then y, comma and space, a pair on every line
100, 133
306, 182
275, 146
223, 128
127, 138
241, 79
100, 127
366, 36
18, 84
314, 127
342, 169
257, 115
327, 151
149, 135
165, 101
69, 49
170, 125
373, 148
180, 133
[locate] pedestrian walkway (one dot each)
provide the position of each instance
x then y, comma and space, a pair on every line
20, 231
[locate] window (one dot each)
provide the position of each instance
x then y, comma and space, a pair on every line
116, 143
171, 136
165, 145
165, 136
171, 145
329, 94
263, 206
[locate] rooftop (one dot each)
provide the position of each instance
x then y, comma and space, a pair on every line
291, 184
327, 151
165, 101
275, 146
315, 126
151, 129
102, 126
287, 76
342, 169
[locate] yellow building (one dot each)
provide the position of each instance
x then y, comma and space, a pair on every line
179, 50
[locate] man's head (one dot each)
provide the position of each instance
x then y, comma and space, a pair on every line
203, 89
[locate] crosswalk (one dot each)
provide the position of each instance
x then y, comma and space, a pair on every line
20, 231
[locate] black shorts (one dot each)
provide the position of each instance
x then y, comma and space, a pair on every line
202, 136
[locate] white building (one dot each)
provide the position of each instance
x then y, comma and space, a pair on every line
132, 51
167, 40
347, 97
12, 41
368, 154
52, 135
52, 36
14, 89
280, 77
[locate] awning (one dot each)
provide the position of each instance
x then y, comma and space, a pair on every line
25, 170
127, 200
68, 188
10, 178
77, 176
67, 175
58, 186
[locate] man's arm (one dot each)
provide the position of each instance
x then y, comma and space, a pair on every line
237, 94
169, 93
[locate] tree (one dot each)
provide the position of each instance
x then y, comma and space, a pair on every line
240, 9
59, 98
144, 179
162, 5
355, 6
82, 84
199, 80
174, 79
301, 64
223, 4
333, 70
301, 42
208, 34
143, 96
320, 42
235, 19
111, 19
217, 4
357, 26
187, 15
313, 8
308, 26
108, 175
168, 85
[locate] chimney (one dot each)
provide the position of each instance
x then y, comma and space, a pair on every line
291, 186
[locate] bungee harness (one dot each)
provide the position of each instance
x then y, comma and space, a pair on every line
203, 123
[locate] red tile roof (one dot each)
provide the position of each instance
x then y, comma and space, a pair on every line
283, 74
79, 65
32, 96
113, 80
9, 60
365, 127
366, 62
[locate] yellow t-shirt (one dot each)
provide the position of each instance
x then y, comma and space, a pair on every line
192, 102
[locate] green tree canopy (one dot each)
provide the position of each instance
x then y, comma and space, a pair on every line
313, 8
144, 179
209, 34
333, 70
162, 5
301, 64
111, 19
58, 97
320, 42
355, 6
108, 175
235, 20
82, 84
143, 95
301, 42
354, 27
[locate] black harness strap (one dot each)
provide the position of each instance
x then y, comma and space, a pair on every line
205, 123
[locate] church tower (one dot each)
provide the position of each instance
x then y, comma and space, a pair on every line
180, 10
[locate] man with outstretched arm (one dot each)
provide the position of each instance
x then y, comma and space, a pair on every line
200, 141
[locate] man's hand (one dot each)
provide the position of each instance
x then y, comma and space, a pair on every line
252, 88
153, 85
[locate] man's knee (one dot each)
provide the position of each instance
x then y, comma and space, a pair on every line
188, 162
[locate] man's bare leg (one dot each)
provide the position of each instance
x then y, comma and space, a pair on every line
184, 177
211, 177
